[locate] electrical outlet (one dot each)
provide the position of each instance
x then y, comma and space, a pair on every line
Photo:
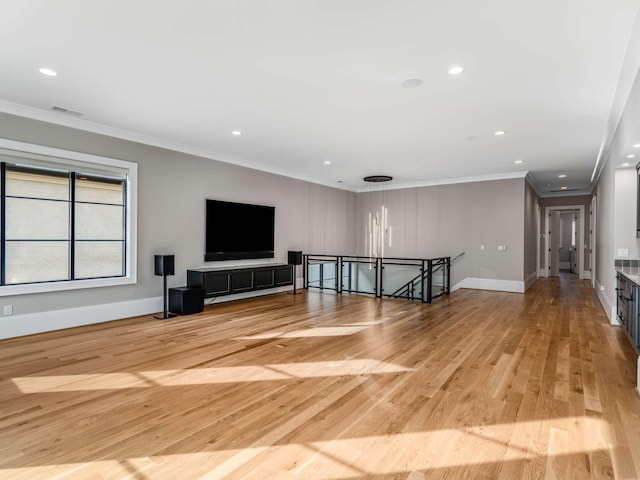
8, 310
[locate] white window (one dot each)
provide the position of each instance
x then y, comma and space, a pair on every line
66, 219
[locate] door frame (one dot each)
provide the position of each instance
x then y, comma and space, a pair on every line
580, 241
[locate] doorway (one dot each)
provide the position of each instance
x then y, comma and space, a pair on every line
564, 252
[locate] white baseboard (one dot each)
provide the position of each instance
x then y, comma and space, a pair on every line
490, 284
30, 323
542, 273
608, 306
586, 275
530, 280
638, 379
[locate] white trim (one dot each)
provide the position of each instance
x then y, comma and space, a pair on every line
131, 227
530, 280
580, 241
87, 126
444, 181
30, 323
592, 241
608, 307
541, 273
586, 275
490, 284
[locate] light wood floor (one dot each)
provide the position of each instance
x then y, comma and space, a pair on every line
321, 386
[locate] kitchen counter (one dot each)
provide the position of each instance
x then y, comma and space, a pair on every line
632, 273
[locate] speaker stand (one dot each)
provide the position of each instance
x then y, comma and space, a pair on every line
167, 314
295, 270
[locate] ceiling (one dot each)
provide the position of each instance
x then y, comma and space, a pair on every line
309, 82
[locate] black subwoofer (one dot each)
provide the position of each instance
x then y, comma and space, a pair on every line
186, 300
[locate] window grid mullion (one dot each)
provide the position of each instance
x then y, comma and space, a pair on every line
72, 226
3, 223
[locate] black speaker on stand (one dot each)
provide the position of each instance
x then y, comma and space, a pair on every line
165, 266
294, 258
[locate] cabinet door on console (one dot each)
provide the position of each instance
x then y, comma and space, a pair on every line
217, 283
264, 277
284, 275
241, 281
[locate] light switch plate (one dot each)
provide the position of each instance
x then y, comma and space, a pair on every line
623, 253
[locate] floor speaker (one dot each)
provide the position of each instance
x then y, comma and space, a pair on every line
165, 265
294, 257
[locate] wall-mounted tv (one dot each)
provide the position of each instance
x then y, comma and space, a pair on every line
236, 231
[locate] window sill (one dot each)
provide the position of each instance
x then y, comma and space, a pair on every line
24, 289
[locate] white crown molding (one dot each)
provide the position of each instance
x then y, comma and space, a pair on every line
444, 181
628, 74
98, 128
101, 129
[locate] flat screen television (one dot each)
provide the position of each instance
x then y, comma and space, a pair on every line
237, 231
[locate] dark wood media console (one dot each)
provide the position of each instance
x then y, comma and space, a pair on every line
229, 280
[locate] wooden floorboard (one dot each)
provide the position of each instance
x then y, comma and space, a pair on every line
486, 385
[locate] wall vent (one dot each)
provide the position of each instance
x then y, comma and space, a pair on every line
565, 190
66, 111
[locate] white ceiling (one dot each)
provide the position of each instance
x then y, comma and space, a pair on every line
314, 81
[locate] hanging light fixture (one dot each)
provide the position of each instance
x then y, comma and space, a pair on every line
378, 232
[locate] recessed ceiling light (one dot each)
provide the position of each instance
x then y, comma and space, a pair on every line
237, 133
327, 162
563, 188
631, 156
562, 175
625, 164
499, 133
637, 145
456, 70
518, 161
412, 83
48, 72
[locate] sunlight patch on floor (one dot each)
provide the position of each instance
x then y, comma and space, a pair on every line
204, 376
337, 331
355, 457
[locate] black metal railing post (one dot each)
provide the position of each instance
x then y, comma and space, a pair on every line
448, 272
305, 270
378, 276
429, 280
339, 274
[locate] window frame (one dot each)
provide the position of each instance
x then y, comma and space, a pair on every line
75, 161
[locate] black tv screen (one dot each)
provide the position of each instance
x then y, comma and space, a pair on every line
236, 231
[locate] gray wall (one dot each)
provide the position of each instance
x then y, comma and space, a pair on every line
531, 214
446, 220
171, 192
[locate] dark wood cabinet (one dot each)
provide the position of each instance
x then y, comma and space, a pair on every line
628, 310
226, 281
